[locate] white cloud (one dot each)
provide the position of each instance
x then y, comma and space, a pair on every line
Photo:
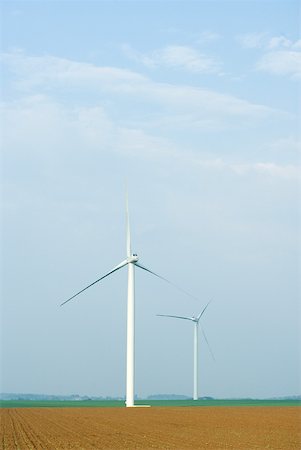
175, 57
281, 63
279, 42
38, 127
288, 171
281, 55
39, 70
284, 171
264, 40
48, 73
277, 170
285, 145
204, 101
187, 58
139, 57
42, 123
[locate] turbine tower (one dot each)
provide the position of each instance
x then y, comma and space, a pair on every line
196, 321
131, 261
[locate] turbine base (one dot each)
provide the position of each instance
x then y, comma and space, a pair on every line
138, 406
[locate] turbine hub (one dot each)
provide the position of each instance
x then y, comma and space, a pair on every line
132, 259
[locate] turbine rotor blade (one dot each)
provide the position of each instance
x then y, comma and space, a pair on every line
122, 264
176, 317
128, 231
200, 315
165, 279
205, 337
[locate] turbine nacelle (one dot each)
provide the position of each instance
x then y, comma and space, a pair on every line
132, 259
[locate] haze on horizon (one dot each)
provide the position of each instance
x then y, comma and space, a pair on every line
196, 104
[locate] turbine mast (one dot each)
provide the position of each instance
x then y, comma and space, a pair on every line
195, 361
130, 346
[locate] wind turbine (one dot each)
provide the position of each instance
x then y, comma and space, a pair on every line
196, 321
131, 261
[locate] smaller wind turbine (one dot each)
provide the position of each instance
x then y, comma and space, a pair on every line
196, 321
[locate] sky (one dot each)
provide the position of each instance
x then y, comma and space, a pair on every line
195, 105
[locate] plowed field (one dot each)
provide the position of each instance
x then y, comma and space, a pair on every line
214, 428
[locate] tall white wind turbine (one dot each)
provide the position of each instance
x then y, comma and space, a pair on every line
131, 261
196, 321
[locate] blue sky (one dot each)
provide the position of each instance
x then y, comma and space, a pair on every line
196, 104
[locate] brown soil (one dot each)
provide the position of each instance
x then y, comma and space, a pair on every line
212, 428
